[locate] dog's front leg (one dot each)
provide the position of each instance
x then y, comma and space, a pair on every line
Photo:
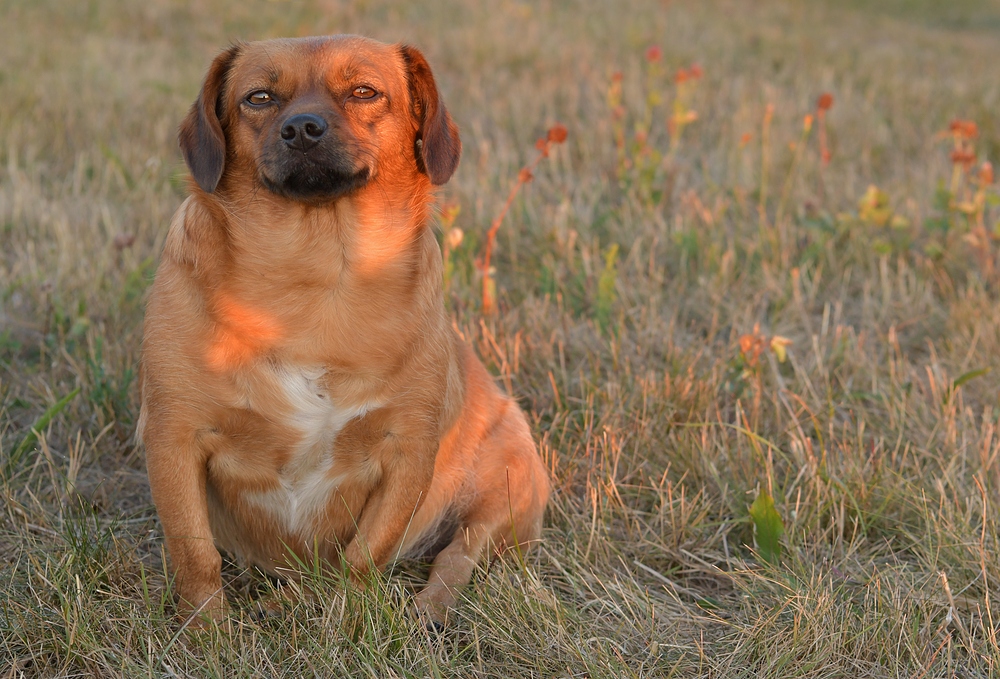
387, 518
177, 478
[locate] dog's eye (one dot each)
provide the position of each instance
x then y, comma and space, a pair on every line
363, 92
259, 98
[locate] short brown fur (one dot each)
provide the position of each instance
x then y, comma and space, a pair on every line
301, 385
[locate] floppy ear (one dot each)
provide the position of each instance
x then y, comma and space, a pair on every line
439, 147
201, 137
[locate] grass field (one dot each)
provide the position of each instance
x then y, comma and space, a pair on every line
725, 504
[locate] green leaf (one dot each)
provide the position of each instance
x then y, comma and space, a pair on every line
971, 375
880, 246
942, 197
768, 526
934, 250
874, 207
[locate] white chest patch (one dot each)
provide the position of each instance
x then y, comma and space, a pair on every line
309, 478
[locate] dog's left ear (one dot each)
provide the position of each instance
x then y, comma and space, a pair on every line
201, 138
438, 146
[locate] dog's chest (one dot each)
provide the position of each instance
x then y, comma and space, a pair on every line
313, 412
310, 474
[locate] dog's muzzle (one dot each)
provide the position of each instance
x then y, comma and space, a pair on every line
312, 160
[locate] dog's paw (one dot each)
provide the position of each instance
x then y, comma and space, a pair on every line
269, 607
202, 610
432, 614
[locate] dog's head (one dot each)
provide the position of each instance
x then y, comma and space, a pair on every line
314, 119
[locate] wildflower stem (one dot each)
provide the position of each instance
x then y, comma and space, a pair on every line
765, 146
556, 135
796, 157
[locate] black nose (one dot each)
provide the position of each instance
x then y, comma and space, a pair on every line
303, 131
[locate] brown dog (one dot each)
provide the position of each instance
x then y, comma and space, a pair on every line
303, 394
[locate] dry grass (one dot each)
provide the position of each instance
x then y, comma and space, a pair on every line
877, 438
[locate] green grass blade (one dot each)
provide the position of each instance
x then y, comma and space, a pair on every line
41, 423
971, 375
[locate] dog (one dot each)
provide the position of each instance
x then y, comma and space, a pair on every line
304, 397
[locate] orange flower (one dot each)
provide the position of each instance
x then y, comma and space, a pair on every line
557, 133
681, 76
825, 102
653, 54
963, 157
751, 346
965, 129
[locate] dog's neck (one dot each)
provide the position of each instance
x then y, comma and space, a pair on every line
370, 234
282, 277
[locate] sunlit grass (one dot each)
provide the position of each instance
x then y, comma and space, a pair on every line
755, 329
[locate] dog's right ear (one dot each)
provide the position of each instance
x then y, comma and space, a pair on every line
201, 138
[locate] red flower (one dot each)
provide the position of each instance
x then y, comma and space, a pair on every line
966, 129
963, 157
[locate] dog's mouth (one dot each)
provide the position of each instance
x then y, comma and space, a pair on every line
306, 159
312, 182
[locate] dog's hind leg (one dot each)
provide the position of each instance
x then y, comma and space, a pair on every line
512, 489
452, 569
